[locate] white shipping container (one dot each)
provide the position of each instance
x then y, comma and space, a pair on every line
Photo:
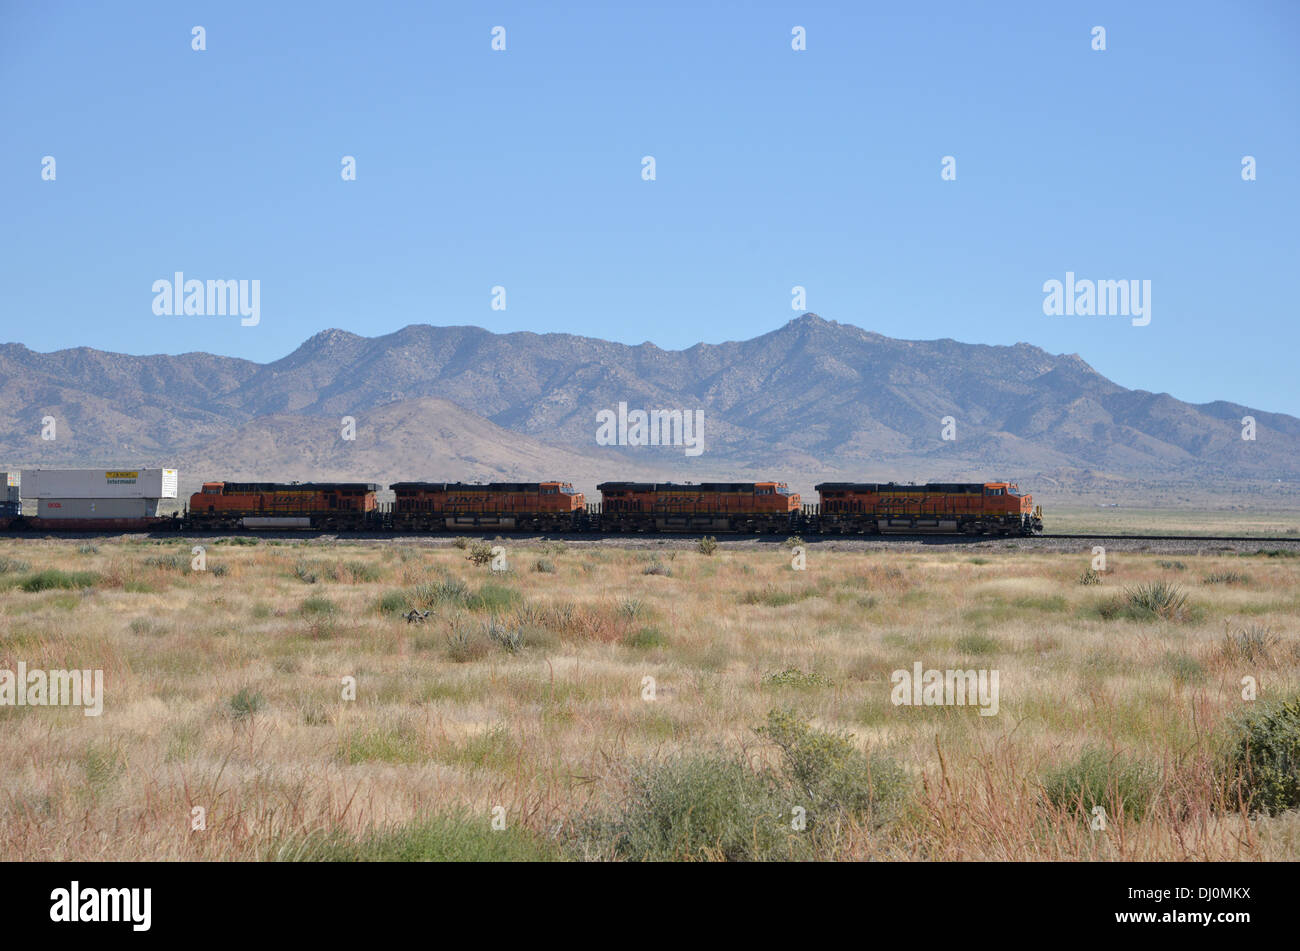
91, 508
103, 508
99, 483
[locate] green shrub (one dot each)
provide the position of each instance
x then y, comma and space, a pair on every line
707, 545
657, 568
480, 553
1264, 756
492, 597
794, 541
88, 549
305, 573
13, 564
102, 765
361, 572
381, 744
1183, 668
978, 644
697, 807
462, 543
1089, 576
1120, 784
449, 591
246, 703
774, 598
393, 602
544, 566
318, 606
830, 777
646, 638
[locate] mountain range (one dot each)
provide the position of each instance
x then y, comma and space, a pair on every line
813, 399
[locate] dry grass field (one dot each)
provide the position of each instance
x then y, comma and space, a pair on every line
768, 731
1280, 523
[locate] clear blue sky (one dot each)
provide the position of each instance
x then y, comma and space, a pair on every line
774, 168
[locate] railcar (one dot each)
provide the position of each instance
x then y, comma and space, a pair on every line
497, 506
973, 508
757, 507
284, 505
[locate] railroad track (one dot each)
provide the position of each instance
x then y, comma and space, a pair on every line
1176, 538
778, 538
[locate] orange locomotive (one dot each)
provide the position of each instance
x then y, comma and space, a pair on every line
327, 505
521, 506
708, 506
973, 508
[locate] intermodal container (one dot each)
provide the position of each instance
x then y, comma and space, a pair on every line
123, 483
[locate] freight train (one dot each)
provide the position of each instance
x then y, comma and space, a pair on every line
843, 508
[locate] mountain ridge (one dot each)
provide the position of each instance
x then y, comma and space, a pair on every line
811, 396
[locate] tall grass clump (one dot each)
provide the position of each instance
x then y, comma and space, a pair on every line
393, 602
493, 597
167, 562
1120, 784
1157, 600
448, 591
1227, 577
52, 578
1252, 644
246, 704
320, 607
707, 545
438, 838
